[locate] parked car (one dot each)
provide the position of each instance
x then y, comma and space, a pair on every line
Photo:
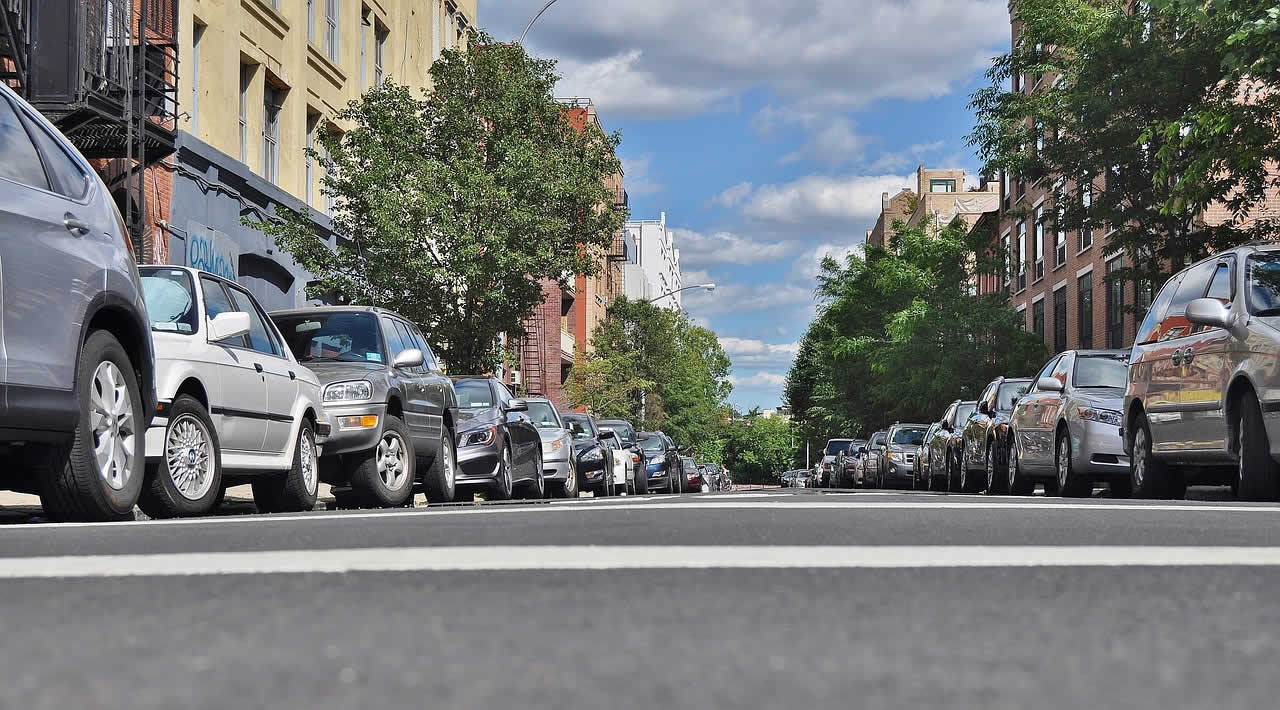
637, 481
559, 466
847, 464
394, 412
662, 461
921, 468
620, 459
232, 402
986, 437
692, 474
827, 469
1201, 396
1066, 430
871, 459
947, 446
595, 460
898, 454
76, 365
499, 448
798, 478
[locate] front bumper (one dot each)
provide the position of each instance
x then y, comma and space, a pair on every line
346, 441
479, 464
895, 472
555, 470
1098, 449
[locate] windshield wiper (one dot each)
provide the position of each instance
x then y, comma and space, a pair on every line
1268, 312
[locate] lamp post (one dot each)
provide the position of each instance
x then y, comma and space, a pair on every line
708, 287
548, 4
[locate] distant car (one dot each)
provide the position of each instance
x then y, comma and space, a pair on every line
692, 474
1066, 430
920, 470
897, 457
76, 363
798, 478
559, 466
847, 465
595, 459
871, 459
712, 474
951, 442
233, 401
499, 448
986, 436
620, 461
637, 481
393, 410
828, 472
1201, 400
662, 461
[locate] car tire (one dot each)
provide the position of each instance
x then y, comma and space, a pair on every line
502, 488
535, 489
191, 451
440, 480
1257, 471
392, 458
295, 490
642, 480
1070, 484
997, 480
1148, 476
1019, 484
73, 486
969, 483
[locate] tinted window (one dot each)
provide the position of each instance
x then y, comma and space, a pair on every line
18, 159
878, 439
259, 332
651, 444
835, 446
217, 302
950, 414
625, 431
1100, 371
1010, 391
1048, 369
578, 425
544, 415
406, 338
908, 437
1264, 283
340, 336
473, 394
395, 341
1220, 284
504, 394
1175, 323
1149, 331
68, 179
171, 300
963, 412
429, 358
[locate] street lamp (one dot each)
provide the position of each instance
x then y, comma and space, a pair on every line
708, 287
548, 4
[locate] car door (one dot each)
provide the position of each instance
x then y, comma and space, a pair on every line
239, 405
1171, 400
435, 386
278, 371
975, 431
1031, 431
938, 444
1205, 369
54, 242
525, 442
413, 387
1150, 363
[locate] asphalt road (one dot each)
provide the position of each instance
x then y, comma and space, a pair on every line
748, 600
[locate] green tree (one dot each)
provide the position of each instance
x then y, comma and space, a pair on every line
758, 449
605, 387
453, 206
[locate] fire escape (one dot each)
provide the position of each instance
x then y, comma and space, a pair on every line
105, 72
618, 254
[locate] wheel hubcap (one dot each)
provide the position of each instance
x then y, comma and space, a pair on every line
1139, 458
309, 462
111, 421
506, 469
187, 453
393, 461
1064, 457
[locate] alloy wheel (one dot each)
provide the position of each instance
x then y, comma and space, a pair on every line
1139, 465
310, 461
188, 453
393, 460
1064, 465
112, 420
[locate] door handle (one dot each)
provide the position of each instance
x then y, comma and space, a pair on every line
257, 366
75, 225
1187, 355
1177, 357
293, 375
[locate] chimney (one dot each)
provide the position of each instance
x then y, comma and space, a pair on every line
884, 202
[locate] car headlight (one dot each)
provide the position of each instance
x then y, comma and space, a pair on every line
897, 456
1104, 416
593, 455
551, 447
353, 391
480, 437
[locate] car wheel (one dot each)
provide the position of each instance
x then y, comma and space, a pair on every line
187, 480
383, 476
441, 479
1257, 472
295, 490
535, 489
1019, 485
1070, 485
1148, 476
501, 488
997, 480
968, 482
100, 473
642, 480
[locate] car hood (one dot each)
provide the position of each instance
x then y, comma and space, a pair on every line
333, 371
552, 434
902, 449
1110, 398
475, 418
829, 458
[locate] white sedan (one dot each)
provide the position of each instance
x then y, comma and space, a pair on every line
234, 404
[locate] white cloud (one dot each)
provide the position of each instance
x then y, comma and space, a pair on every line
821, 202
641, 58
740, 298
908, 158
832, 143
637, 179
750, 351
732, 196
763, 380
698, 249
809, 264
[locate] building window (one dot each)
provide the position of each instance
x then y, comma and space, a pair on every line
1086, 201
1008, 187
1020, 266
1037, 245
1039, 135
246, 77
272, 101
313, 119
379, 55
366, 24
1115, 304
1060, 320
311, 20
1084, 310
1037, 318
197, 33
942, 186
331, 29
1005, 256
330, 201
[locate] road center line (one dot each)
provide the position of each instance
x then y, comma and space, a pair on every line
492, 559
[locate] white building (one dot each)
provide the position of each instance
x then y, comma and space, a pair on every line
654, 267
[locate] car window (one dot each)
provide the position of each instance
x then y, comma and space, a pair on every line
395, 343
65, 175
343, 336
907, 437
949, 417
878, 439
504, 394
1062, 368
544, 415
1101, 371
1149, 331
217, 302
473, 394
171, 300
1263, 270
963, 412
1174, 324
1220, 286
651, 444
406, 339
1010, 391
260, 337
988, 394
18, 158
429, 358
835, 446
578, 426
1048, 369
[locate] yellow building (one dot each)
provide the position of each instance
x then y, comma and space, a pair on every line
258, 80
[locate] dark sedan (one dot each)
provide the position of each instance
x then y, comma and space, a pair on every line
499, 448
945, 448
986, 437
595, 460
662, 461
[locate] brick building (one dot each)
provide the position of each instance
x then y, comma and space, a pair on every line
939, 197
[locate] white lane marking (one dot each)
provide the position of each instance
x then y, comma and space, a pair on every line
441, 559
977, 503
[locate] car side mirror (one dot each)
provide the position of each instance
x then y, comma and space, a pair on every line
229, 324
862, 449
516, 405
1209, 312
412, 357
1049, 384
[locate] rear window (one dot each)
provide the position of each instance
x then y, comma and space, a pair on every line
651, 444
835, 446
473, 394
1094, 372
1010, 391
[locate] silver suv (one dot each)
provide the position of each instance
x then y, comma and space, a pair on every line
1202, 403
77, 388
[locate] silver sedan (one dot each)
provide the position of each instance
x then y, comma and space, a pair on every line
1066, 431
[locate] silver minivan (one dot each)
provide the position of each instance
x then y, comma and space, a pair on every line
1202, 404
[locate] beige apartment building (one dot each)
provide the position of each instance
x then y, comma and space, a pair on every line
259, 79
938, 198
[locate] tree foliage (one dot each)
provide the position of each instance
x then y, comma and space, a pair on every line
757, 449
605, 387
451, 207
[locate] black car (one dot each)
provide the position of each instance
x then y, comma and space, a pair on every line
499, 446
662, 461
986, 437
637, 481
595, 460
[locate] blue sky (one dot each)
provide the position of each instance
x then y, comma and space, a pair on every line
767, 130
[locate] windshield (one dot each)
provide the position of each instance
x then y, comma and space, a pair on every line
473, 394
626, 433
835, 446
963, 412
877, 439
1010, 391
1264, 283
908, 437
171, 305
578, 425
651, 444
543, 415
1094, 372
336, 336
